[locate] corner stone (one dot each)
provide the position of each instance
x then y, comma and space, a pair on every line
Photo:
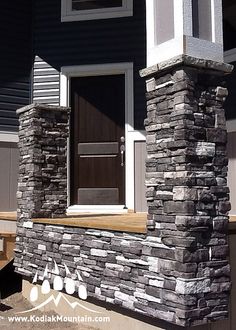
193, 286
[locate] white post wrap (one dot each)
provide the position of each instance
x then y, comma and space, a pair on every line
188, 27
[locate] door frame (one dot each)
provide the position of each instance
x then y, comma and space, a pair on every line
131, 135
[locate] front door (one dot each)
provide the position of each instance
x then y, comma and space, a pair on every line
97, 140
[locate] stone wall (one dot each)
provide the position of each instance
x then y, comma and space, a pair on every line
179, 271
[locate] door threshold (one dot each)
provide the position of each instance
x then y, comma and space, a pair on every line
106, 209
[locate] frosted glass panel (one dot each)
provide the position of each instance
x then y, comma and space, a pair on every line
164, 21
202, 20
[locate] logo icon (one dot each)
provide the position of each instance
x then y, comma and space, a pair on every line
72, 283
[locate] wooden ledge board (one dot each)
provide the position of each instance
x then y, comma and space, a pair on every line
8, 216
134, 223
131, 222
7, 234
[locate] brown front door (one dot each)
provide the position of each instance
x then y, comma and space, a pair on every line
97, 137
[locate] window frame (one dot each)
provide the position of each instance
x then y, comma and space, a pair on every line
69, 15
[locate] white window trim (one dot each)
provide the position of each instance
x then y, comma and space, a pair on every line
131, 135
69, 15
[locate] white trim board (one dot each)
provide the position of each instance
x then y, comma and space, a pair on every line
230, 55
131, 135
183, 41
9, 137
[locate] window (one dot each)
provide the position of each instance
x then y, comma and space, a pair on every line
164, 20
202, 20
81, 10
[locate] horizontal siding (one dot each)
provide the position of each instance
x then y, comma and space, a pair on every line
58, 44
15, 60
46, 83
8, 176
12, 96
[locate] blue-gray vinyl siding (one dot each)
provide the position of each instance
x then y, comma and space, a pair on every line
57, 44
15, 60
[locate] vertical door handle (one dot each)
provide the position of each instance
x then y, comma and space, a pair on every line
122, 150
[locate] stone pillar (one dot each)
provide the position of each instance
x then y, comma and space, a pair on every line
186, 179
42, 183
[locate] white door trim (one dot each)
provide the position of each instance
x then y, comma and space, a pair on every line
131, 135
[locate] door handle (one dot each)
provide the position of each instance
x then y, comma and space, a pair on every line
122, 150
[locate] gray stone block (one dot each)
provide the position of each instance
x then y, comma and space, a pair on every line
193, 286
184, 207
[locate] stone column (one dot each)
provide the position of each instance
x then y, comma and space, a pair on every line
42, 183
186, 179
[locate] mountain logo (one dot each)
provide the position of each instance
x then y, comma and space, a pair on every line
59, 283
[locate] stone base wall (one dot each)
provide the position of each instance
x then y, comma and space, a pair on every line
124, 269
133, 271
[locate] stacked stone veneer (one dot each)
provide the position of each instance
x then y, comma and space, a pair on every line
42, 183
186, 178
179, 270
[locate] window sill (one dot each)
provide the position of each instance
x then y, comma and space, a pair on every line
71, 17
